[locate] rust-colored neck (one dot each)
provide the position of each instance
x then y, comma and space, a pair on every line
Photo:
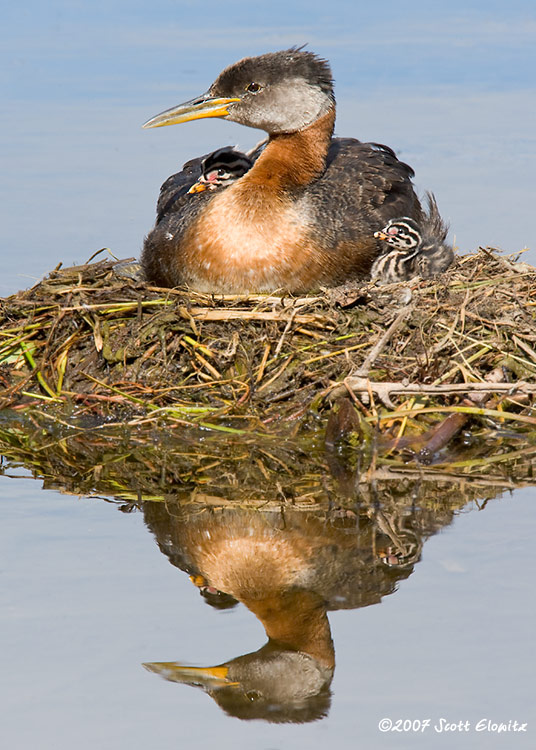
291, 160
297, 619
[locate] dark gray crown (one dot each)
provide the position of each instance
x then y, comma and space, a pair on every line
272, 68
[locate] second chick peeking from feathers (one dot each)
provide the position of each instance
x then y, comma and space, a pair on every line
413, 249
221, 168
303, 216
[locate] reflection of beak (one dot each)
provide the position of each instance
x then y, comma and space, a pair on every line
381, 236
208, 677
202, 106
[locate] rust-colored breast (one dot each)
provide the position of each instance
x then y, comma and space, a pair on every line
240, 244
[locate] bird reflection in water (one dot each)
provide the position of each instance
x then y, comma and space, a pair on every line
289, 569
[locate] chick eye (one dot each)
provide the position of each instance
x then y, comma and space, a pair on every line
253, 88
221, 172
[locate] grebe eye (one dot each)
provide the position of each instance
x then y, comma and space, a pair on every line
253, 88
221, 172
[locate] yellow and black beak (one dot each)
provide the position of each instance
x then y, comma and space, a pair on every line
202, 106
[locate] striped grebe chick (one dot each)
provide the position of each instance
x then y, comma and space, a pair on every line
413, 248
221, 168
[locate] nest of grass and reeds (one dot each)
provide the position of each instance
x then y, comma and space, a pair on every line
440, 371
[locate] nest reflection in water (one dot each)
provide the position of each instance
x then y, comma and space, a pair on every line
289, 529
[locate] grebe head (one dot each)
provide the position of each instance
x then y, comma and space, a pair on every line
222, 167
280, 92
402, 234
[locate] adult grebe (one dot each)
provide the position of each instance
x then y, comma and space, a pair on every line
304, 215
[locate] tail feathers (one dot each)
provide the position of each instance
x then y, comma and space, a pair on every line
435, 229
436, 253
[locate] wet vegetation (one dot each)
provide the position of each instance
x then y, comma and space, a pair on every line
400, 370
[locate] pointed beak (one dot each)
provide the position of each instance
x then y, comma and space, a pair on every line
196, 109
381, 236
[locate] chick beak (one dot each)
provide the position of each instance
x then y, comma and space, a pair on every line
381, 236
199, 187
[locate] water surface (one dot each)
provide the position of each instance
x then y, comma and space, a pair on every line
451, 89
88, 597
88, 594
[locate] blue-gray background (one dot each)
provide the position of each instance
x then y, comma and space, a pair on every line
450, 86
86, 596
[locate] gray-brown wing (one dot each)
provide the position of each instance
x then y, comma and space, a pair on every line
364, 186
175, 189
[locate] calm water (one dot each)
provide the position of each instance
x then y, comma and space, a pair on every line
452, 90
88, 596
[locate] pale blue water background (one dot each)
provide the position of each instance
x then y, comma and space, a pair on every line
450, 86
87, 597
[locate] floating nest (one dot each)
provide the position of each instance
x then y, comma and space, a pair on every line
435, 372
